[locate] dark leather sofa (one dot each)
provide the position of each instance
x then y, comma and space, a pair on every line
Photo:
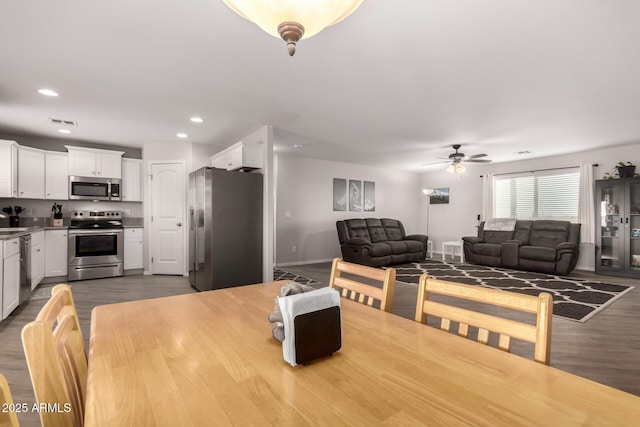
544, 246
379, 242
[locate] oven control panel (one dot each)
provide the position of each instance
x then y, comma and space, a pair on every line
95, 215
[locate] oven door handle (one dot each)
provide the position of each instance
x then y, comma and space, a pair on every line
102, 232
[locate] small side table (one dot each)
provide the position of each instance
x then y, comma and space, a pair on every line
430, 248
453, 246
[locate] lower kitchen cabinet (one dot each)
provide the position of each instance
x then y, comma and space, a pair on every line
37, 258
133, 248
55, 249
10, 276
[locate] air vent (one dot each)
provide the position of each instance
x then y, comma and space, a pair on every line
63, 122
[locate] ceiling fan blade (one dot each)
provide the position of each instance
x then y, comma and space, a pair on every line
436, 163
475, 156
477, 161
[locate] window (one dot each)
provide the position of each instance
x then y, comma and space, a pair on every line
538, 195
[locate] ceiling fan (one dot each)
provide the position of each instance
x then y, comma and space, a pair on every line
457, 158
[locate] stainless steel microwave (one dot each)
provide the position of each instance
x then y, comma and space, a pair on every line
88, 188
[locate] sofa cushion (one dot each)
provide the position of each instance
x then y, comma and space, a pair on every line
549, 233
537, 253
393, 229
398, 247
497, 236
487, 249
380, 249
376, 231
357, 228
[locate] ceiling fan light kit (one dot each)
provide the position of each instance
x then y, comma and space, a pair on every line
456, 159
293, 20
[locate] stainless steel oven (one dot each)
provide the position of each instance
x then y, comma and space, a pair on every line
96, 245
88, 188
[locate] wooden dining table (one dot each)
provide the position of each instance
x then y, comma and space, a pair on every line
208, 359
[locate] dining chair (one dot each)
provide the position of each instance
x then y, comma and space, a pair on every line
538, 334
57, 360
362, 292
8, 417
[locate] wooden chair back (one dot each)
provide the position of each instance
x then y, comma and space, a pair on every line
57, 359
362, 292
8, 417
538, 334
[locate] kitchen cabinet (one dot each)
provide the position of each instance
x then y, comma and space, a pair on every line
239, 156
37, 258
8, 169
56, 186
10, 276
618, 227
133, 248
30, 173
94, 162
131, 180
55, 252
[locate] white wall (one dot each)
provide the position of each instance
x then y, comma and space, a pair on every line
458, 218
304, 187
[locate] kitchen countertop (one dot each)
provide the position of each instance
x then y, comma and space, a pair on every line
13, 232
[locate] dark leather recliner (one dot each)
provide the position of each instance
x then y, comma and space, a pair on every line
379, 242
544, 246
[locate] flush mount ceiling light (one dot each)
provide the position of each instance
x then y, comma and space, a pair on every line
64, 131
182, 135
47, 92
293, 20
196, 120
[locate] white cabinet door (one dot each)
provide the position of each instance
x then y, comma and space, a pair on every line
239, 155
131, 180
30, 173
11, 277
57, 176
82, 163
8, 169
133, 248
109, 165
55, 253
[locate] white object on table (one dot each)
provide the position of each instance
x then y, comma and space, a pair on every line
453, 245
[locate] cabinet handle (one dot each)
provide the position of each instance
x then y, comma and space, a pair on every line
22, 192
38, 250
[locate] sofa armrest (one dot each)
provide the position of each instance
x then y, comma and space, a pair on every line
419, 238
509, 253
357, 241
472, 239
566, 246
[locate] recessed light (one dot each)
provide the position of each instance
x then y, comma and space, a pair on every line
182, 135
64, 131
47, 92
196, 120
297, 146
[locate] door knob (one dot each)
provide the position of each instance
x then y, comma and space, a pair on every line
179, 224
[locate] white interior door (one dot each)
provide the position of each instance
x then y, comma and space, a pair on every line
167, 218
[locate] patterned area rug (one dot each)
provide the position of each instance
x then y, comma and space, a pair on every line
574, 299
279, 274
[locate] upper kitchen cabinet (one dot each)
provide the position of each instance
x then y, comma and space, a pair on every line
30, 173
239, 156
131, 180
94, 162
8, 169
56, 184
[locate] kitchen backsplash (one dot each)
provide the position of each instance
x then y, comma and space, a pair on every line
42, 208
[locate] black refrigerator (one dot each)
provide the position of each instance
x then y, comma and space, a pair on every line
225, 228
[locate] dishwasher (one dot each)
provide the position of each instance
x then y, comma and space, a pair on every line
25, 269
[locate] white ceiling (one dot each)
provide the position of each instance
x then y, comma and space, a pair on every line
393, 85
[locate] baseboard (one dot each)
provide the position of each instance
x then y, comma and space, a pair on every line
313, 261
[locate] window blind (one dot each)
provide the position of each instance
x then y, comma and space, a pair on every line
538, 195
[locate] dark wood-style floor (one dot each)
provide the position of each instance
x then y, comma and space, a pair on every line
604, 349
